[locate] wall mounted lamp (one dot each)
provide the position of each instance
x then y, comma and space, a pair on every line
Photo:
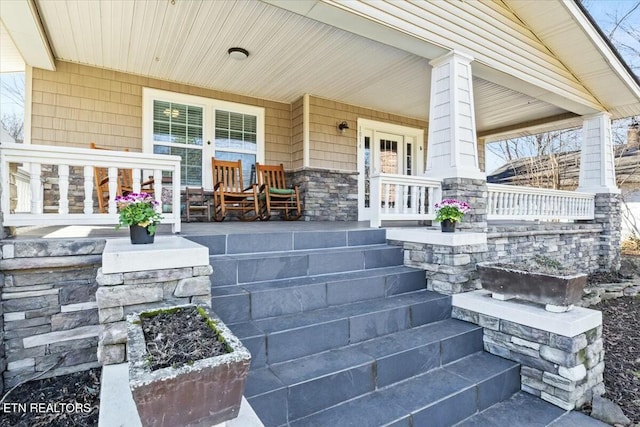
343, 126
238, 53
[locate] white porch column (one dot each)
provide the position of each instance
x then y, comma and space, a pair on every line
597, 167
452, 148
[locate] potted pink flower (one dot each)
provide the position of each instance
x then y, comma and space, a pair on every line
450, 211
138, 211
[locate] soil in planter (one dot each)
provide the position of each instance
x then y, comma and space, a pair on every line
621, 317
62, 401
180, 336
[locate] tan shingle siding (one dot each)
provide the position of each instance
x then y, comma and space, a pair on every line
78, 104
329, 148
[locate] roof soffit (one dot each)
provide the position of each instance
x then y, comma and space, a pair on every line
505, 51
22, 23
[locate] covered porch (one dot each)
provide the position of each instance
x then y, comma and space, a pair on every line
415, 132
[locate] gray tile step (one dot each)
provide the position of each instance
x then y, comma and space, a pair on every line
527, 410
437, 398
254, 267
288, 240
238, 303
315, 382
291, 336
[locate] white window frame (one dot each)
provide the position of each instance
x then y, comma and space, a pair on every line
209, 106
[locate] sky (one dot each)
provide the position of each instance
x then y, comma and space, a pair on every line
606, 13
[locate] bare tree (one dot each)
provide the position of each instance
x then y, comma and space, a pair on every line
14, 125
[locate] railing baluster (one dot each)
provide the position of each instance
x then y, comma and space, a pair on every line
135, 178
36, 189
157, 190
386, 197
63, 186
88, 189
113, 189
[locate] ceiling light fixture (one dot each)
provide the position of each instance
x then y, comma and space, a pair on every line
238, 53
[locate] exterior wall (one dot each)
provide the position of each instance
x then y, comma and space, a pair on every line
575, 245
566, 371
120, 294
329, 149
297, 134
452, 269
49, 310
609, 215
448, 269
474, 192
78, 104
327, 195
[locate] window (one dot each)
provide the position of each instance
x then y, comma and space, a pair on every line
197, 129
236, 139
177, 130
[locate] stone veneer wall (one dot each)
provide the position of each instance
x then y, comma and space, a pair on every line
474, 192
48, 302
566, 371
51, 190
609, 216
452, 269
575, 245
449, 269
327, 195
120, 294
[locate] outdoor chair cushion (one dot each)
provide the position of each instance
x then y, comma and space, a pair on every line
281, 191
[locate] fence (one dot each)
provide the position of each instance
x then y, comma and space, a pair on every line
33, 157
403, 198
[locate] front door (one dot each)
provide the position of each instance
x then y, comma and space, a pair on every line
384, 148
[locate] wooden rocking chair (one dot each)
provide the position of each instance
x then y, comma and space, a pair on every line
275, 195
229, 194
125, 183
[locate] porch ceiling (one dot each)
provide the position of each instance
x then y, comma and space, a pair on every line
290, 55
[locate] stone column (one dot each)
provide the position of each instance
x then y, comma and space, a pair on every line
452, 154
134, 278
597, 175
608, 214
474, 192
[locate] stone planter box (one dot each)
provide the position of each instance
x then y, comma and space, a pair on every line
558, 293
207, 392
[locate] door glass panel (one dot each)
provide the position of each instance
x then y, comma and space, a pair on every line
388, 156
389, 164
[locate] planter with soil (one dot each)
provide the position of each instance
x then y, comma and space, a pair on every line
543, 281
185, 367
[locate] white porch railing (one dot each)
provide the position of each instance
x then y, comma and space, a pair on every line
526, 203
403, 197
65, 157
